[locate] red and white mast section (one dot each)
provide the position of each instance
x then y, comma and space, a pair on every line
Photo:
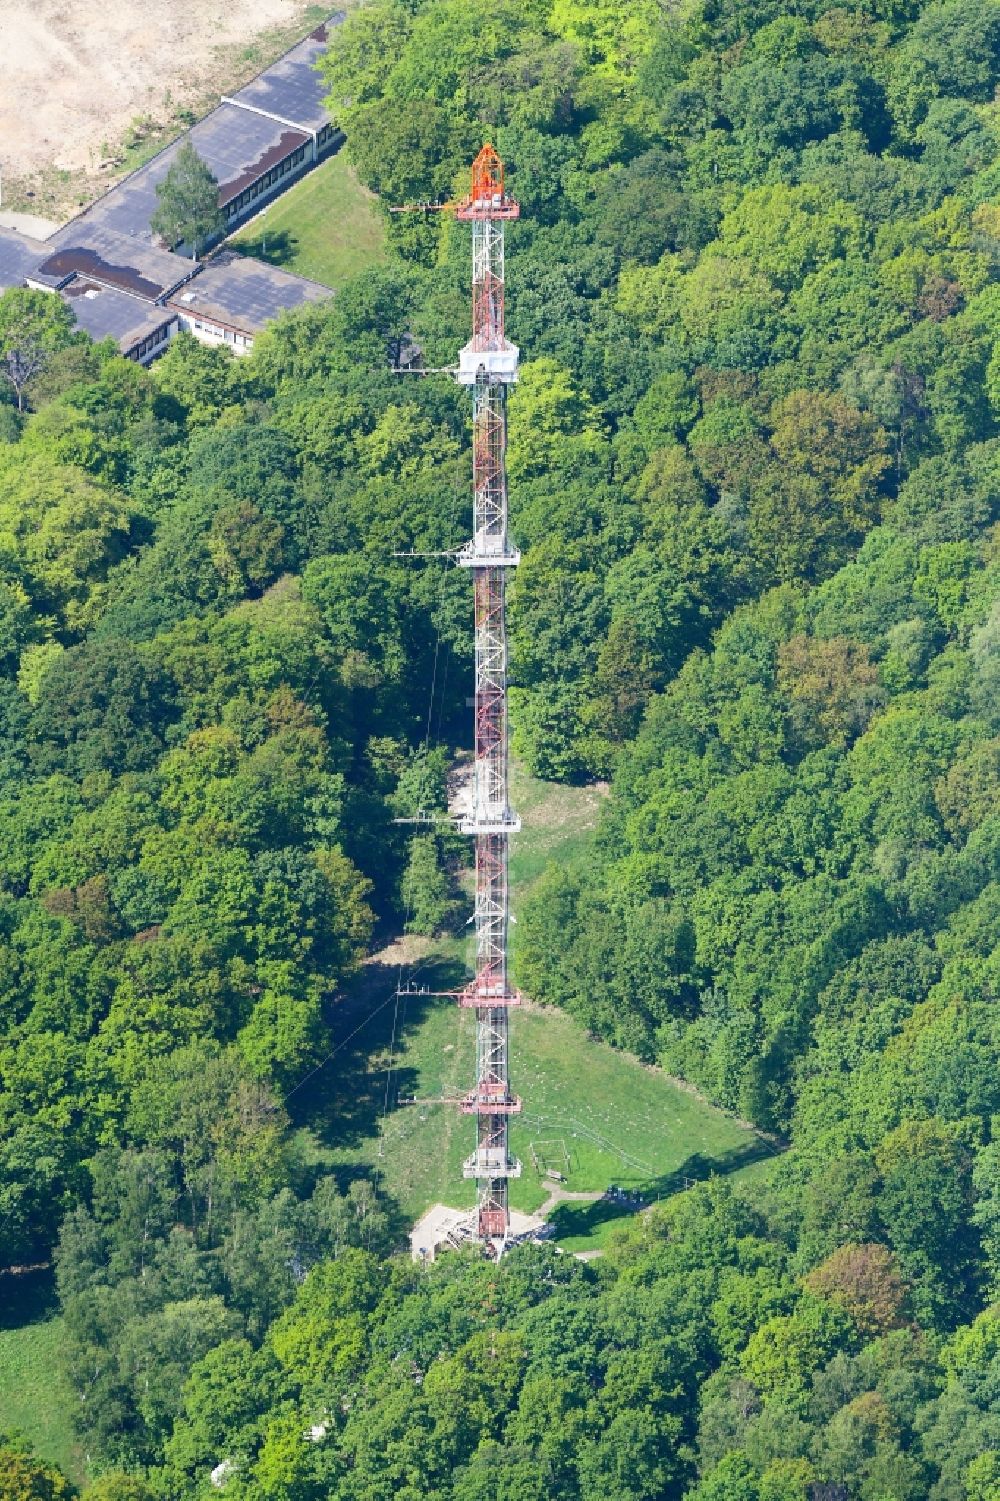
488, 365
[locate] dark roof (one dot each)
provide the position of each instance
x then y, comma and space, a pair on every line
118, 260
238, 147
238, 144
106, 313
293, 88
272, 151
20, 258
244, 294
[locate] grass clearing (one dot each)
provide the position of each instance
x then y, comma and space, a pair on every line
557, 822
327, 226
35, 1397
597, 1116
593, 1114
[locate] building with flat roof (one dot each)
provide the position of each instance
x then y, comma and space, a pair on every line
292, 88
21, 256
139, 327
141, 330
233, 298
116, 260
254, 143
120, 283
242, 149
226, 300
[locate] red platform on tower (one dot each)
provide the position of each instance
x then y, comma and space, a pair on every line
488, 200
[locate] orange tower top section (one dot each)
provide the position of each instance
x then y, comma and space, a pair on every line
488, 199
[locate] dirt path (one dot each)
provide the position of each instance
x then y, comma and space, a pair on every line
564, 1196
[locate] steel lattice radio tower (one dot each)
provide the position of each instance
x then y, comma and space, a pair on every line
488, 364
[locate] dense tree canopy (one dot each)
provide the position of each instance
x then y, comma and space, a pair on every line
755, 473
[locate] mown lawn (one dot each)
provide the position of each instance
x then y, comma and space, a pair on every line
35, 1397
556, 822
595, 1115
327, 227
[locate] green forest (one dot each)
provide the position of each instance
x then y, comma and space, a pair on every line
754, 463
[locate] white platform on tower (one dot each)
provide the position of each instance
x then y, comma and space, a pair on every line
489, 820
494, 366
489, 1162
483, 552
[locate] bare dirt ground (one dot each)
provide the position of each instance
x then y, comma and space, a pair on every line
74, 82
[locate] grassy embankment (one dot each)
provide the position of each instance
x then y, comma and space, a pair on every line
327, 227
596, 1115
35, 1397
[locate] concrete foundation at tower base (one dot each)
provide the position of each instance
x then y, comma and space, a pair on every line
444, 1229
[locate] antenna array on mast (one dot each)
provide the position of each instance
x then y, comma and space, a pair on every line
488, 365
